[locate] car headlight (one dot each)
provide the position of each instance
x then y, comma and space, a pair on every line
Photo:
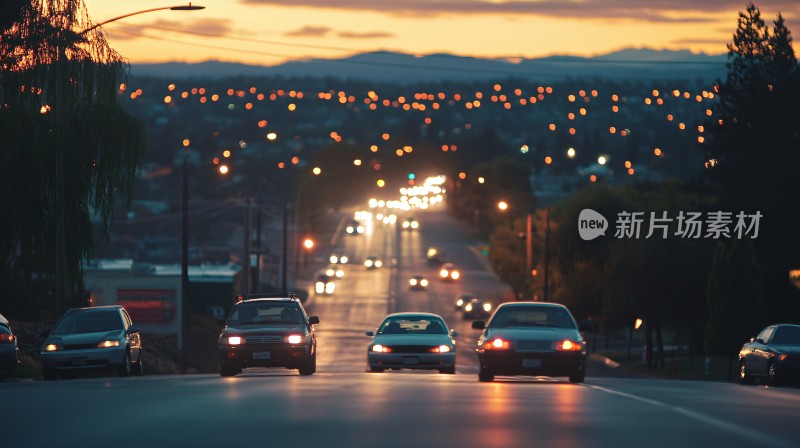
423, 282
52, 347
319, 287
360, 229
497, 344
343, 259
487, 307
378, 348
334, 259
294, 339
414, 225
350, 229
454, 275
329, 287
568, 346
442, 349
443, 273
108, 343
235, 340
378, 263
330, 272
412, 282
368, 263
339, 273
468, 307
405, 224
459, 302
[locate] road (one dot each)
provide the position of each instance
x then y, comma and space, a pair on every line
343, 406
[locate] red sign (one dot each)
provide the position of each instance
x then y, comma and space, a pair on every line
148, 306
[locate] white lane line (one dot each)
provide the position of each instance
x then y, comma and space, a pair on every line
762, 439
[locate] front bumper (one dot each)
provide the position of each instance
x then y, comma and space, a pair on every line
412, 360
264, 355
84, 359
532, 363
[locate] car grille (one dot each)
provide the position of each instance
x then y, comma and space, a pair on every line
411, 348
262, 339
79, 346
534, 346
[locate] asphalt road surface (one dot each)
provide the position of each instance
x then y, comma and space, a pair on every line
343, 406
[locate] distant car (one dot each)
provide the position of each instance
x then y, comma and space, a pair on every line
338, 257
434, 255
9, 351
531, 338
410, 224
773, 355
449, 272
268, 331
412, 341
418, 282
93, 339
372, 262
354, 228
334, 271
324, 284
476, 308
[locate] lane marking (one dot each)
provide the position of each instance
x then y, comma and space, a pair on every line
761, 439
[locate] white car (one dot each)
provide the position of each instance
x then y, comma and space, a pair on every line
412, 341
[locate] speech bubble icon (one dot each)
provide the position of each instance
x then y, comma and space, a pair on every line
591, 224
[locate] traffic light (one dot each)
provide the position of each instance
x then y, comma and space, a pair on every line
412, 176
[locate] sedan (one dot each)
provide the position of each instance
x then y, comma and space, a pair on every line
412, 341
372, 262
324, 284
93, 339
418, 282
449, 272
773, 355
410, 224
476, 308
9, 352
531, 338
334, 271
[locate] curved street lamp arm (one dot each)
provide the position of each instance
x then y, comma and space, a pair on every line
188, 7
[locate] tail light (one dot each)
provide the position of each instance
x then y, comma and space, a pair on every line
7, 338
497, 344
568, 346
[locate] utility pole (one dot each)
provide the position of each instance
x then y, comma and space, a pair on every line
285, 247
246, 289
257, 274
547, 254
184, 317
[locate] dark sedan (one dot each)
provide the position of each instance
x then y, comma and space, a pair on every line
531, 338
9, 353
773, 355
268, 332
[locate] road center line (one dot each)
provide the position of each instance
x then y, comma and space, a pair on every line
761, 438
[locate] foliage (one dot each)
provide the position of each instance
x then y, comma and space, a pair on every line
70, 149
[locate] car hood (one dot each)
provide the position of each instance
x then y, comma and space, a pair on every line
245, 330
533, 334
412, 339
85, 338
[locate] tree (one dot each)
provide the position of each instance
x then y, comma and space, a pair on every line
70, 149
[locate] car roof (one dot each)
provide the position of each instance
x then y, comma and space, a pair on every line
95, 308
411, 313
533, 304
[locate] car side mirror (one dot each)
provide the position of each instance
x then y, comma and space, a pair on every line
313, 320
133, 329
369, 333
586, 326
752, 339
453, 333
478, 324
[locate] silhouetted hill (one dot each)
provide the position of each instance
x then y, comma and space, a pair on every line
384, 66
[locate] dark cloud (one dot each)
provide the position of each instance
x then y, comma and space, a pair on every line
665, 11
367, 35
309, 31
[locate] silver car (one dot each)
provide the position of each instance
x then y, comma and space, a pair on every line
412, 341
101, 338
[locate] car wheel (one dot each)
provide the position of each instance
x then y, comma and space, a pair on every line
49, 374
744, 377
138, 369
485, 376
228, 370
125, 367
310, 366
448, 371
374, 369
578, 376
772, 376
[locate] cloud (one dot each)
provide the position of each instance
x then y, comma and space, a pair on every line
309, 31
212, 27
367, 35
665, 11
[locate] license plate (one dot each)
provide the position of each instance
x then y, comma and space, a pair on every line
78, 361
260, 355
410, 360
531, 363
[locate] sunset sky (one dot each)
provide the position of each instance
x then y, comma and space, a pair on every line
269, 32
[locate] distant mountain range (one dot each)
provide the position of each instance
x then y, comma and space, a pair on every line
384, 66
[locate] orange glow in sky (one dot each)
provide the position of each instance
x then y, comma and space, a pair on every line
269, 32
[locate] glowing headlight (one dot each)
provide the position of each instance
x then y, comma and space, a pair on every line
51, 348
423, 282
441, 349
487, 306
343, 259
443, 273
294, 339
368, 263
414, 224
334, 259
412, 282
454, 275
109, 343
459, 302
330, 272
235, 340
468, 307
360, 229
319, 287
378, 348
405, 224
350, 229
329, 287
378, 263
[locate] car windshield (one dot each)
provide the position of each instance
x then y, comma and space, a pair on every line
532, 316
89, 321
265, 313
787, 336
412, 325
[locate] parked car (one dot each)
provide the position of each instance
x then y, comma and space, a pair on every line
268, 331
101, 338
412, 341
9, 351
531, 338
773, 355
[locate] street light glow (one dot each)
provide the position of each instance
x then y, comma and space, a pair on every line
308, 243
502, 205
223, 169
317, 171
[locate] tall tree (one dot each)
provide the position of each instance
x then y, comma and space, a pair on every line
70, 149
